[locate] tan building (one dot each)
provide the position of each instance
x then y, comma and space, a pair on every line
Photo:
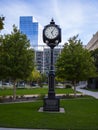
93, 43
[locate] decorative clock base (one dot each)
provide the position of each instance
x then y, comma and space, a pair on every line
51, 104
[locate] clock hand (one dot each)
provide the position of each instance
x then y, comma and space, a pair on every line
52, 31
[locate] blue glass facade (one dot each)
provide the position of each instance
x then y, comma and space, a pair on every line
30, 28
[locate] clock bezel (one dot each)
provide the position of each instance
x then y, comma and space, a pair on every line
52, 42
49, 26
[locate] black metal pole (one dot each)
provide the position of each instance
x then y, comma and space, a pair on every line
51, 65
51, 92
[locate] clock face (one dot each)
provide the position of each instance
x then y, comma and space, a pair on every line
51, 32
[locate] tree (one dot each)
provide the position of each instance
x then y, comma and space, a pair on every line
94, 54
1, 23
75, 62
18, 58
38, 77
34, 76
42, 79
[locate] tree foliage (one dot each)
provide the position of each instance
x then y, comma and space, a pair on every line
94, 54
34, 76
75, 62
16, 57
37, 77
1, 23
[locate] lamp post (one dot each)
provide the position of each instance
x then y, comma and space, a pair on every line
52, 37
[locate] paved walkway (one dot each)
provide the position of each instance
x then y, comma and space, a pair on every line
87, 92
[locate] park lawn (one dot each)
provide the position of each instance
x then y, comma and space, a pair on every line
80, 114
93, 90
24, 91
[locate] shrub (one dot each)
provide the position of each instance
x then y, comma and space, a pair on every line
41, 96
68, 86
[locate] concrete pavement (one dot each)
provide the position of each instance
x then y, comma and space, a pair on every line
87, 92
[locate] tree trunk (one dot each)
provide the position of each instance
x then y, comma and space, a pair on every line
14, 90
2, 84
74, 84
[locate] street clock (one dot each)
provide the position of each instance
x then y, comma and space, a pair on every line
52, 34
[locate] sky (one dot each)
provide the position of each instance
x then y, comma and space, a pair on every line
73, 16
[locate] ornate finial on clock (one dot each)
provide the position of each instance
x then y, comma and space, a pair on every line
52, 21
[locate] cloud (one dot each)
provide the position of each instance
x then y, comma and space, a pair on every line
68, 14
12, 11
70, 17
74, 17
77, 17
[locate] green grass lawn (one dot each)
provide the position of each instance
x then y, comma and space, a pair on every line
6, 92
93, 90
80, 114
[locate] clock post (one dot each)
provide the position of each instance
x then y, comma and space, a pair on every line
52, 37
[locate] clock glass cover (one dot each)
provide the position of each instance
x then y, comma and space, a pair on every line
51, 32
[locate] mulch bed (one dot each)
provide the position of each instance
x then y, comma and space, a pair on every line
18, 99
8, 99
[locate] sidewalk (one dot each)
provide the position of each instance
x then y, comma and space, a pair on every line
87, 92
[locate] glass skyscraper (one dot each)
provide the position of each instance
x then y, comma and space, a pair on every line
30, 28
